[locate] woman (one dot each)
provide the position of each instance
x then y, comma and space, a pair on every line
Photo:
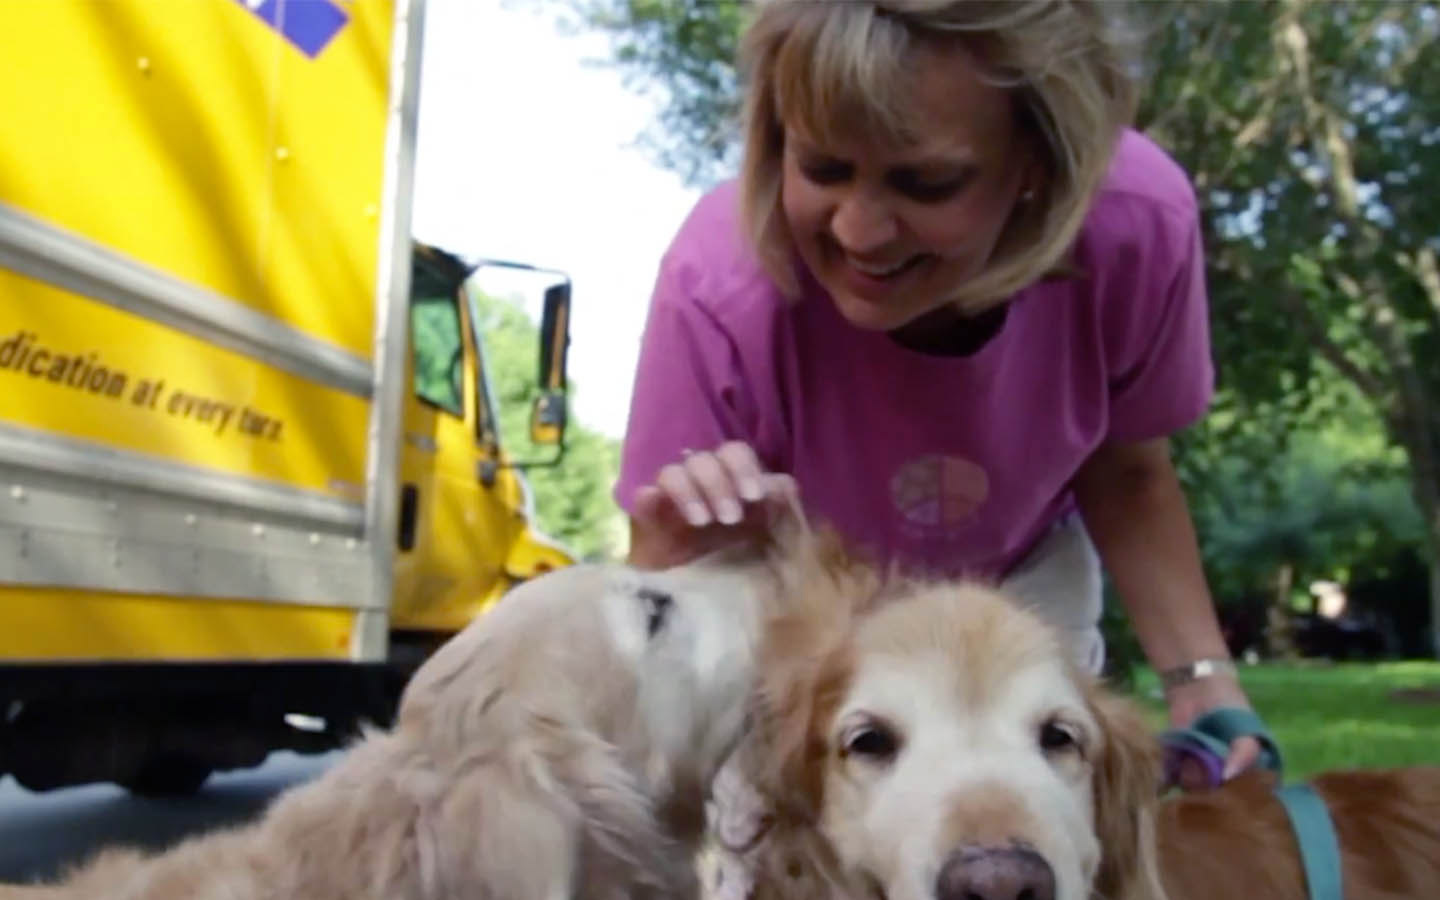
959, 305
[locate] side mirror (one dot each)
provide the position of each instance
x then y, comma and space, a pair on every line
555, 337
547, 415
547, 419
546, 291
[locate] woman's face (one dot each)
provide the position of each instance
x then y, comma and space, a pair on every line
890, 231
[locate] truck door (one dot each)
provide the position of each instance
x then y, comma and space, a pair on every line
455, 528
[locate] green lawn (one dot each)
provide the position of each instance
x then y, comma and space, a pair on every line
1338, 716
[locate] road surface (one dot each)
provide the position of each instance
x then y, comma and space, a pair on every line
42, 833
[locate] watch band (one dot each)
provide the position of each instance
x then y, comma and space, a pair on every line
1208, 667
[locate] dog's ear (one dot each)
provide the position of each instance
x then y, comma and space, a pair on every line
805, 671
1126, 790
804, 667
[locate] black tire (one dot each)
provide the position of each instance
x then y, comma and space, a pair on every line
168, 777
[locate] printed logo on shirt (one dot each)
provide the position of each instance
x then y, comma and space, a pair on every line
937, 491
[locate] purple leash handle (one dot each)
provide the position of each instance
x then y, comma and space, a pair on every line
1179, 748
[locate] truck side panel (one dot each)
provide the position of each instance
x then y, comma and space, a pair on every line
74, 367
198, 202
50, 625
196, 138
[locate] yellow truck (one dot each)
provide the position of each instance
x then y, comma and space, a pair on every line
250, 468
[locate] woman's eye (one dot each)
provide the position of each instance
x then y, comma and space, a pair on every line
1055, 737
872, 741
928, 190
827, 171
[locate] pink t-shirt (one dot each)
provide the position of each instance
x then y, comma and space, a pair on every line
942, 465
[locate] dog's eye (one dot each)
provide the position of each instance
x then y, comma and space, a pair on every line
873, 741
1056, 737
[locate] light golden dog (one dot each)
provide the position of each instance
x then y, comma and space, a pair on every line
939, 745
561, 747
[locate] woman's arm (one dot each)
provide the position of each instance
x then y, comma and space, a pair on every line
1136, 512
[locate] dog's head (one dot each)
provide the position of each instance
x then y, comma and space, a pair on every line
944, 747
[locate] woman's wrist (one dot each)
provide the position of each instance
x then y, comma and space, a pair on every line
1197, 669
1198, 696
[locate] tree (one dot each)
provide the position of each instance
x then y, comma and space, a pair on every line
683, 52
1310, 129
1331, 504
572, 500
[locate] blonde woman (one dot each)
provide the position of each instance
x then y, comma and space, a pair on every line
956, 302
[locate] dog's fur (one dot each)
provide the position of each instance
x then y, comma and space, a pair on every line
966, 683
560, 747
1236, 841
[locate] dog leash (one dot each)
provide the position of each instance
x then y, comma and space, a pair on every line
1207, 741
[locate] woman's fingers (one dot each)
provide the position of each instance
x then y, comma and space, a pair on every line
697, 503
713, 486
682, 490
743, 466
715, 483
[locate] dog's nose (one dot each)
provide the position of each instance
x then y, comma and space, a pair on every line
995, 873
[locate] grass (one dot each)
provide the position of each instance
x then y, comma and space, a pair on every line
1335, 716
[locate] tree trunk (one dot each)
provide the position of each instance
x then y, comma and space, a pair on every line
1425, 482
1279, 624
1432, 534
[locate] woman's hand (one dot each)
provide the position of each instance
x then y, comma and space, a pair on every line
705, 500
1193, 699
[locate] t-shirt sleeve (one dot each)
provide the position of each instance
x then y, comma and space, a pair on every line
1165, 378
689, 392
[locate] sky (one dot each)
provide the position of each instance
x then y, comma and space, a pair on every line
527, 153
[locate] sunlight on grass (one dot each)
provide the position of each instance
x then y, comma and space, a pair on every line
1338, 716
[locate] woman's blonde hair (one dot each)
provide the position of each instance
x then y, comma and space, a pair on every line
839, 67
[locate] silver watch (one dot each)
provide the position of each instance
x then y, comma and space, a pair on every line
1207, 667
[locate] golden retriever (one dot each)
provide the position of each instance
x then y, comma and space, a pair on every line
560, 747
933, 742
942, 746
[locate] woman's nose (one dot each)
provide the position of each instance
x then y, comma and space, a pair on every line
863, 223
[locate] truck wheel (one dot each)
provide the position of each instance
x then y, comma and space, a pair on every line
168, 777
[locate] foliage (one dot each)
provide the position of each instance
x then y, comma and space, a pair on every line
1307, 127
682, 52
572, 500
1332, 501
